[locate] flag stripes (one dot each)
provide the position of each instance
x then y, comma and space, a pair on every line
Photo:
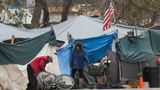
108, 17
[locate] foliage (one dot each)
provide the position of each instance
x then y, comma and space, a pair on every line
17, 16
143, 13
9, 2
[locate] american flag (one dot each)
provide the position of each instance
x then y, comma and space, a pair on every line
108, 16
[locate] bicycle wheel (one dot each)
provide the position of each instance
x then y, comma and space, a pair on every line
64, 82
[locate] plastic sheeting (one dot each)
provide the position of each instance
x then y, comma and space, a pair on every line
82, 27
140, 48
135, 49
7, 31
24, 51
154, 36
11, 78
15, 78
95, 48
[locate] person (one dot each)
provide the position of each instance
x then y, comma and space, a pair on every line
78, 60
34, 68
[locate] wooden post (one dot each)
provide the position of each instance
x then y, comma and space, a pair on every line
13, 39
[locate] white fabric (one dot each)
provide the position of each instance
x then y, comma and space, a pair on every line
7, 31
82, 27
51, 67
50, 50
79, 27
11, 78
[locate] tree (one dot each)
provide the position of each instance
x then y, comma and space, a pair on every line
17, 16
65, 11
41, 8
142, 13
13, 16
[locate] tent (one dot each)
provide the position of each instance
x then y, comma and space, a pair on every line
83, 27
94, 47
7, 31
80, 27
13, 75
130, 48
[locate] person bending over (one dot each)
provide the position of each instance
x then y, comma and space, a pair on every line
34, 68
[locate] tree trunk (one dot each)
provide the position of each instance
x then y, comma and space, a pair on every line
40, 6
65, 11
46, 14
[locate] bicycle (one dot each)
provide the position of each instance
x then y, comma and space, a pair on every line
49, 81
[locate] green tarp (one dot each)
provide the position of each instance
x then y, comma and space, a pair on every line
24, 51
155, 41
139, 48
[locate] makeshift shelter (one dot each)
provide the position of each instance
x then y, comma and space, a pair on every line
36, 42
139, 52
130, 48
83, 27
95, 48
7, 31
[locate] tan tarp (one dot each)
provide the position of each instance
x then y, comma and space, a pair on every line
11, 78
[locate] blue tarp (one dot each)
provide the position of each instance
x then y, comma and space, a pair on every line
95, 48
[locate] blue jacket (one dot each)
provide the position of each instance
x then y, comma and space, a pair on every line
78, 59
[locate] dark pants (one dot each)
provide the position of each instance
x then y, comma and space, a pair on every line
77, 78
32, 85
74, 72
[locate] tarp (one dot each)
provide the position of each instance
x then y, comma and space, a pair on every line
155, 36
135, 49
11, 78
82, 27
7, 31
15, 78
94, 47
140, 48
24, 51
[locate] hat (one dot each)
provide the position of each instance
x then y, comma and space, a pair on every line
50, 58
